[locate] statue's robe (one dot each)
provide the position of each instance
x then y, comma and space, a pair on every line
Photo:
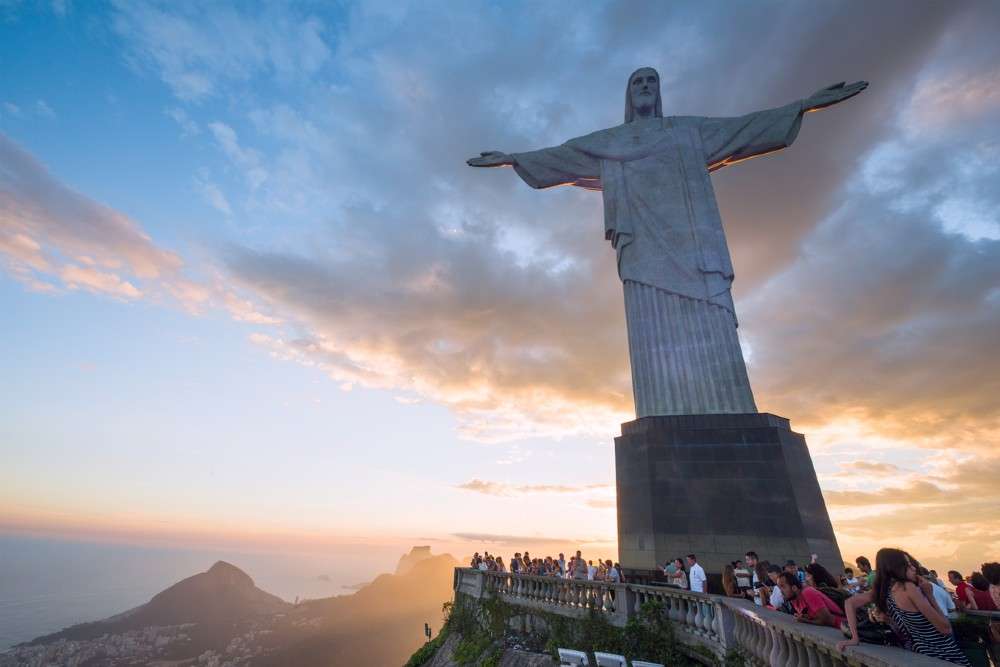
662, 219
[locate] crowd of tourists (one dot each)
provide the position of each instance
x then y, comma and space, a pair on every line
897, 602
574, 568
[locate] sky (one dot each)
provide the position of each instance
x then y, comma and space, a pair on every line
254, 295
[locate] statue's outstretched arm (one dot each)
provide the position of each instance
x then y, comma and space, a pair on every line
826, 97
491, 159
727, 141
547, 167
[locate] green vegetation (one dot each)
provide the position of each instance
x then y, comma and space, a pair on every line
426, 652
484, 627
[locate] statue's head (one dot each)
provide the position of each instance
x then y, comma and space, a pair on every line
642, 96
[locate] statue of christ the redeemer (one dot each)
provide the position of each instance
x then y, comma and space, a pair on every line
661, 217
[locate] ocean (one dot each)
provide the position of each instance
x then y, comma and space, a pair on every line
49, 584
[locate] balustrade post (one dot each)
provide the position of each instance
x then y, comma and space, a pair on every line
708, 617
724, 622
814, 653
690, 616
785, 652
800, 653
677, 612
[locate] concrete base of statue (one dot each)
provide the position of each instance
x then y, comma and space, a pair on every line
718, 486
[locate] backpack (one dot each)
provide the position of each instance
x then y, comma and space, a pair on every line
839, 596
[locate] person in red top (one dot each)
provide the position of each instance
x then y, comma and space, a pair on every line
961, 589
809, 604
980, 590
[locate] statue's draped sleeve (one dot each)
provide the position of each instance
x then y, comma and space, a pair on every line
559, 165
730, 140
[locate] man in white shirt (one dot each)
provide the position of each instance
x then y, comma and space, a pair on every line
776, 599
853, 585
696, 574
562, 565
756, 583
942, 598
591, 570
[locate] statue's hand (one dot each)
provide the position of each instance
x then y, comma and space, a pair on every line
831, 95
491, 159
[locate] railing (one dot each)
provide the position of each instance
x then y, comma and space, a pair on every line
718, 624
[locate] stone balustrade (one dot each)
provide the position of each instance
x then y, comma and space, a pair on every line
714, 623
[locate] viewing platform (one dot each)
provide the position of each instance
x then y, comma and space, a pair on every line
709, 626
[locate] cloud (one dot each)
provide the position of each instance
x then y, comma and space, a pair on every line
53, 238
189, 127
867, 254
868, 469
183, 45
501, 302
48, 230
246, 159
504, 489
44, 110
519, 540
920, 493
213, 195
78, 277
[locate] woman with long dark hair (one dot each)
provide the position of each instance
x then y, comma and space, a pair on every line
729, 585
906, 599
818, 576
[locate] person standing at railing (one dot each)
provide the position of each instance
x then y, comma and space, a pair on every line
991, 572
776, 600
579, 567
865, 566
906, 599
678, 577
562, 565
962, 593
754, 592
696, 575
729, 583
851, 582
809, 604
980, 590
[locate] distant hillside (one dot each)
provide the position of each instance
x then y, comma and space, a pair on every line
407, 561
381, 624
222, 612
222, 596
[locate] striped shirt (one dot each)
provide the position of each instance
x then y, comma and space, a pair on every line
925, 638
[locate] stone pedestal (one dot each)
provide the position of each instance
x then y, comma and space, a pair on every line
718, 486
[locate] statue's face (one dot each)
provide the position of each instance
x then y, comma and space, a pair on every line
644, 89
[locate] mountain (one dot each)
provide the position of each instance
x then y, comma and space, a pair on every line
381, 624
221, 617
218, 598
407, 561
223, 594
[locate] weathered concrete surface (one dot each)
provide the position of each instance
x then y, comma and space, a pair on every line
718, 486
662, 219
